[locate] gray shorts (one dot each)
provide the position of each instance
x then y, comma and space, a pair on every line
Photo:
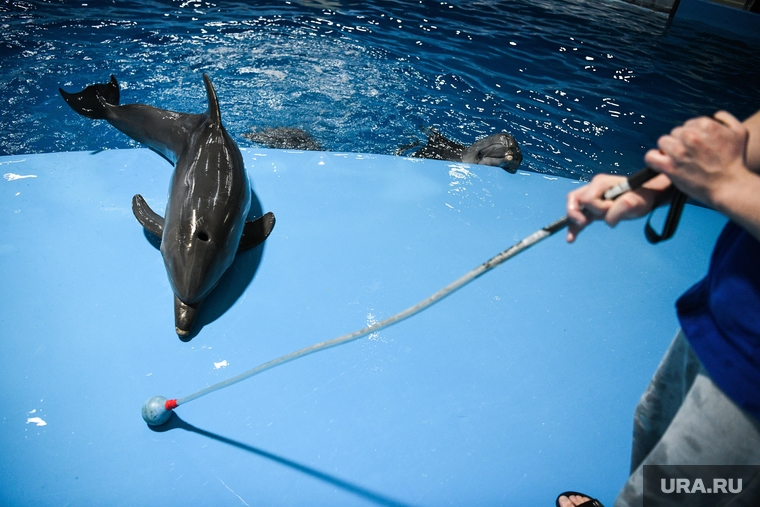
683, 418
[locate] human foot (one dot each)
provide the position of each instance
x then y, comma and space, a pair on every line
575, 499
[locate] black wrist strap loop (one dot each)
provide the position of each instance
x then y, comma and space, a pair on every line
678, 201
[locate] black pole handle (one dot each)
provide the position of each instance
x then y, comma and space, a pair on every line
633, 182
678, 200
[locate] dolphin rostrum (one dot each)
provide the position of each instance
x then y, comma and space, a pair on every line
209, 195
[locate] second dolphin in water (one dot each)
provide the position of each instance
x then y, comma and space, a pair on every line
209, 195
499, 150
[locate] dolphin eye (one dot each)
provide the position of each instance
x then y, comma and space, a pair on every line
202, 236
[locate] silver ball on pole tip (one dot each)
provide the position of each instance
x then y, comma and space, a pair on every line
157, 410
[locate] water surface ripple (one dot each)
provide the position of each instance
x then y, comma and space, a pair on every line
585, 86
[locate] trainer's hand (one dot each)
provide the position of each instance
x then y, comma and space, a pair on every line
587, 204
705, 157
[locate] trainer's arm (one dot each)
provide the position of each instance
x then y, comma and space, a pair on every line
753, 144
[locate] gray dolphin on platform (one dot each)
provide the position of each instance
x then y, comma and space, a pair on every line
499, 150
209, 195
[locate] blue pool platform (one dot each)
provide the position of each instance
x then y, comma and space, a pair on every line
515, 388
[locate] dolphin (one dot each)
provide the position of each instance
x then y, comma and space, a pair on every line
500, 150
209, 194
291, 138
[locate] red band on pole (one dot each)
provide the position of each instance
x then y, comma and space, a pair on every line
170, 404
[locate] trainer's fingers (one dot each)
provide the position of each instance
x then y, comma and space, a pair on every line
727, 119
575, 208
577, 211
629, 205
586, 204
672, 146
657, 160
573, 230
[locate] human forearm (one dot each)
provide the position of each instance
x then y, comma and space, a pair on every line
752, 124
740, 202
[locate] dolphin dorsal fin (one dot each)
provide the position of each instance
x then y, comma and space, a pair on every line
213, 102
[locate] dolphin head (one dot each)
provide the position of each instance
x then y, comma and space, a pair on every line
194, 262
194, 266
496, 150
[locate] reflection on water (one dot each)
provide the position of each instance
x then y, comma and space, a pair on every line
583, 86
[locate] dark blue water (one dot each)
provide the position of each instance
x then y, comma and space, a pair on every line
584, 86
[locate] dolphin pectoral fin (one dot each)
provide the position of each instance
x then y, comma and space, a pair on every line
400, 152
148, 218
256, 231
184, 317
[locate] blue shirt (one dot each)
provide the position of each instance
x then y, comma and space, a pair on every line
720, 316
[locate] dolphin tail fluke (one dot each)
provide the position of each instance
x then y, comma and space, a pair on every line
91, 102
256, 231
213, 103
148, 218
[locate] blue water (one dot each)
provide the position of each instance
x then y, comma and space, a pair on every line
584, 86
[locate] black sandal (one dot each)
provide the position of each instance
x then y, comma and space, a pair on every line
593, 502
